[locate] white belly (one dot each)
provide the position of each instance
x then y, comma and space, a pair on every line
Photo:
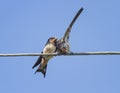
50, 48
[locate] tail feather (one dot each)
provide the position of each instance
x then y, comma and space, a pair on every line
43, 71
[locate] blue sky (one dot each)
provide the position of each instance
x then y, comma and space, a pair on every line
25, 26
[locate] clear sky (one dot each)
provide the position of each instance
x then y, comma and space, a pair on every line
25, 26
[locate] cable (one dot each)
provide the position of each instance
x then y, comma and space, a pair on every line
56, 54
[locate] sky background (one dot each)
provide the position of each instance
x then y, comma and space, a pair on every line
25, 26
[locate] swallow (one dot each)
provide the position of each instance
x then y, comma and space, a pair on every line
63, 45
50, 47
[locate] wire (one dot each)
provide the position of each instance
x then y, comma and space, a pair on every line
57, 54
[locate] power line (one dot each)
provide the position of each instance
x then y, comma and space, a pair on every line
57, 54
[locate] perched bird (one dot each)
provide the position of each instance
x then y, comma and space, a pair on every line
53, 45
42, 61
63, 43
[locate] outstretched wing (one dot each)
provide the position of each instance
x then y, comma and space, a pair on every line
67, 33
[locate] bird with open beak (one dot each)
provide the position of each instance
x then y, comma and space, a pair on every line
42, 61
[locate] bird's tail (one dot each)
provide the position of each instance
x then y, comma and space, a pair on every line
43, 71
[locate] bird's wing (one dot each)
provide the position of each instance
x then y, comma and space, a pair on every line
66, 35
37, 62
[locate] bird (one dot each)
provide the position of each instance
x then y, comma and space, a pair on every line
63, 45
50, 47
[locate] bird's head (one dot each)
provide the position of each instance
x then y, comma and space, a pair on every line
52, 40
